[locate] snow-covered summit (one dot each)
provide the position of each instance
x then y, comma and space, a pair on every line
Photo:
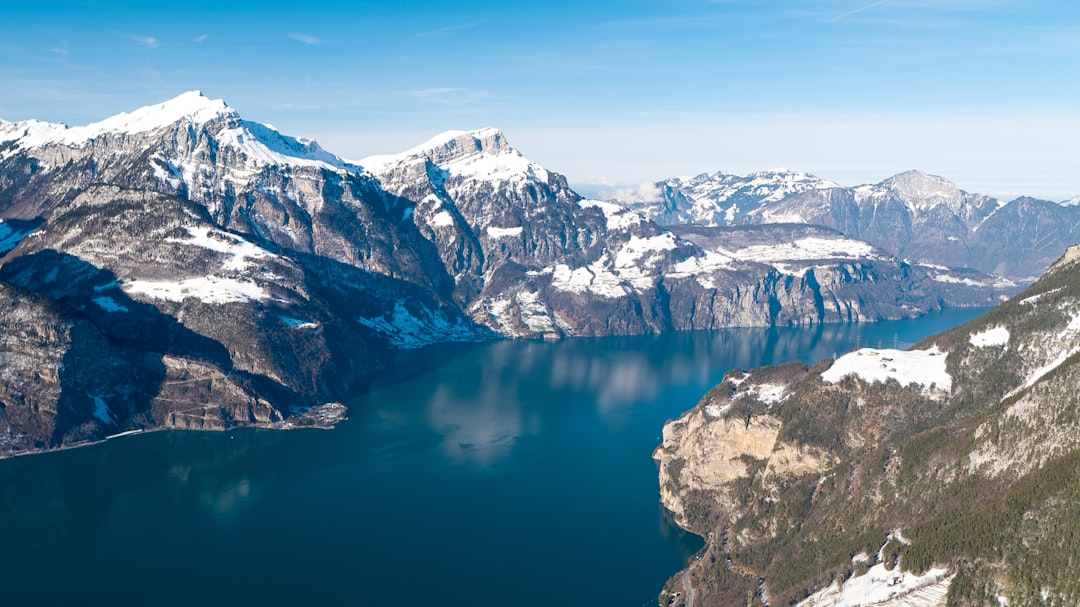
919, 191
1072, 202
483, 153
192, 106
258, 144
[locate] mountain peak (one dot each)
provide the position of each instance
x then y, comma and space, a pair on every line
922, 190
480, 153
453, 145
192, 105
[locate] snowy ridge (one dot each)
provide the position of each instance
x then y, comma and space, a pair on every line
259, 144
1072, 202
925, 368
192, 105
481, 154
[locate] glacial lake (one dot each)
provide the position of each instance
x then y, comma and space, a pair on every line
506, 474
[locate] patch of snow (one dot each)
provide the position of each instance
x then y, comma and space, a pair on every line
534, 314
997, 336
503, 232
617, 217
1072, 328
263, 145
595, 278
442, 219
716, 411
1041, 372
809, 248
883, 588
1034, 298
997, 283
298, 323
109, 304
770, 394
697, 265
922, 367
632, 252
209, 289
408, 330
238, 249
785, 269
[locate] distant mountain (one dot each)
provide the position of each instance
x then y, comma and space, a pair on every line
914, 216
243, 276
940, 474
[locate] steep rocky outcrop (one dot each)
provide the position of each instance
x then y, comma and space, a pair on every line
952, 462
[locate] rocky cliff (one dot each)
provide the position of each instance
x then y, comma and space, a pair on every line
941, 474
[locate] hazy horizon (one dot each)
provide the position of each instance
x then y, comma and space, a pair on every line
605, 93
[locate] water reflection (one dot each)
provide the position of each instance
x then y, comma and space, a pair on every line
483, 401
536, 455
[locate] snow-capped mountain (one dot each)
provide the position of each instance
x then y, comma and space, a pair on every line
718, 199
913, 215
243, 275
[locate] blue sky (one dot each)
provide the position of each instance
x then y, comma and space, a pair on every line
982, 92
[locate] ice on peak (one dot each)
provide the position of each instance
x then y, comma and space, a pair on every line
479, 154
1072, 202
192, 106
449, 145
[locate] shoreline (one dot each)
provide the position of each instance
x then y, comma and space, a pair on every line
321, 417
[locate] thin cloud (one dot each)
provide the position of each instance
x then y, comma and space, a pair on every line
856, 11
448, 95
443, 30
147, 41
62, 50
305, 39
437, 91
201, 38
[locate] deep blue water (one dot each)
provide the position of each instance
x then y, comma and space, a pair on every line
515, 473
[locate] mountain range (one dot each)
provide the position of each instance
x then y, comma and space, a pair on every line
914, 216
180, 266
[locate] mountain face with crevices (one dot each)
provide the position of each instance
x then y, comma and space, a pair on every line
241, 276
940, 475
912, 215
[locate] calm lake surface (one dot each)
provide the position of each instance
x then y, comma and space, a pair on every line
508, 474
